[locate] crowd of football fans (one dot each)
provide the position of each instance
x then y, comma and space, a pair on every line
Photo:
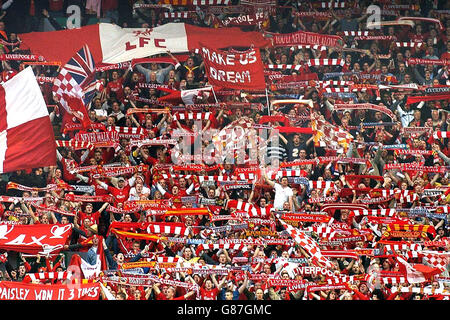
174, 184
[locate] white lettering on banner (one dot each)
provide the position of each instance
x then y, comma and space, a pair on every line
19, 240
314, 270
229, 59
95, 137
43, 294
88, 292
37, 241
230, 76
13, 294
304, 38
124, 44
246, 19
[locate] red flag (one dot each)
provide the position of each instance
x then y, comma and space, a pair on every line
308, 244
416, 273
78, 111
190, 96
10, 290
234, 69
110, 43
34, 239
26, 134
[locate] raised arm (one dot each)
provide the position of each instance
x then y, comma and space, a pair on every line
268, 181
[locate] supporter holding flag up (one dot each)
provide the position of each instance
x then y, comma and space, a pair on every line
73, 88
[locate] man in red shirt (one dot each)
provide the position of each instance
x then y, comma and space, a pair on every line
116, 85
120, 193
446, 54
208, 291
169, 293
93, 216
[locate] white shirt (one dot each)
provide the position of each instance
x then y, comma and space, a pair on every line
405, 116
134, 195
281, 196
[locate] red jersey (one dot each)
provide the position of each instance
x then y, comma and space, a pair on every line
208, 294
120, 195
117, 87
99, 191
68, 165
445, 56
161, 296
94, 217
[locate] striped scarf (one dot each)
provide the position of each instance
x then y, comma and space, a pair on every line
44, 276
216, 246
251, 209
192, 116
76, 145
374, 212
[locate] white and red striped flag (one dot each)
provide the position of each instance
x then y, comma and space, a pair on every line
189, 96
417, 272
310, 246
26, 134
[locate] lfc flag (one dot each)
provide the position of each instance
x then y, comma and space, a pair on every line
111, 44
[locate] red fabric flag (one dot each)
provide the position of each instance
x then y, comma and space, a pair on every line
234, 69
305, 38
190, 96
111, 44
34, 239
416, 273
26, 134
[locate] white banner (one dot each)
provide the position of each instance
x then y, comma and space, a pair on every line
124, 44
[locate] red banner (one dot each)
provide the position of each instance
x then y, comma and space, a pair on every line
34, 239
305, 38
234, 69
306, 217
442, 62
28, 291
106, 139
432, 97
255, 19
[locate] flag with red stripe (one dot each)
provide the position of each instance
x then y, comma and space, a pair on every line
26, 135
308, 244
